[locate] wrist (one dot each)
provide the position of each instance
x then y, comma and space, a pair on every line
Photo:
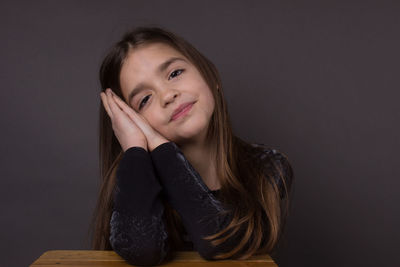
141, 145
157, 142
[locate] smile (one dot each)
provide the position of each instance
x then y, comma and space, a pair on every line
183, 112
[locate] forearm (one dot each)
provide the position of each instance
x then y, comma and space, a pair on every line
187, 193
137, 228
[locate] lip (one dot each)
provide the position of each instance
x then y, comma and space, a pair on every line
178, 112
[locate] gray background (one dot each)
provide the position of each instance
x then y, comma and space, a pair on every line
317, 80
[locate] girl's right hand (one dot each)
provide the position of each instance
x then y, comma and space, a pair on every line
126, 131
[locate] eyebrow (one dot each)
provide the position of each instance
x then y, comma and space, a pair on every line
162, 67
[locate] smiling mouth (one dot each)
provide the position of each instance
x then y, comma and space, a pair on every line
183, 112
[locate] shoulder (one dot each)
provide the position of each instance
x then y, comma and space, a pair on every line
274, 154
277, 164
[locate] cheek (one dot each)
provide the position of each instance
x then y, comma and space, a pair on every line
209, 100
154, 119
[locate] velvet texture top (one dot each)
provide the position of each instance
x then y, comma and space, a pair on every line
144, 181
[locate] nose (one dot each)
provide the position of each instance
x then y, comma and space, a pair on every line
169, 96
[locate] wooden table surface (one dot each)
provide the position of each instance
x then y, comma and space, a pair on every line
110, 258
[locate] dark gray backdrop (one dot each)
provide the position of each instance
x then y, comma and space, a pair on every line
316, 80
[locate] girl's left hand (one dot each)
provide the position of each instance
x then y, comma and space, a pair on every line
154, 139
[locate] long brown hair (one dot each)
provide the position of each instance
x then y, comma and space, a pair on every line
247, 179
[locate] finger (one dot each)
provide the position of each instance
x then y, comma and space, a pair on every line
132, 114
105, 104
140, 121
125, 107
115, 109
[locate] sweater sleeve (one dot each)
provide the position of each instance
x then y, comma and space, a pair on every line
192, 199
280, 166
196, 204
137, 229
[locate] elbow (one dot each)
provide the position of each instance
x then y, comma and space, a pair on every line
207, 251
210, 252
142, 255
207, 254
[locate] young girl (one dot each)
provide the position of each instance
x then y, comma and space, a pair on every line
174, 176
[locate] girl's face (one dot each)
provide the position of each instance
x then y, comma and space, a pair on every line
155, 80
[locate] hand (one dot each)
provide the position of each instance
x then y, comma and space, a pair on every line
153, 138
126, 131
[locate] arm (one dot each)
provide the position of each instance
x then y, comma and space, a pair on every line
187, 193
137, 229
280, 165
196, 204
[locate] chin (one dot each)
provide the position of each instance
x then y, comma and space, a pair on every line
191, 130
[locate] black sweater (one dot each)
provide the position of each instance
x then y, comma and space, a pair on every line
137, 227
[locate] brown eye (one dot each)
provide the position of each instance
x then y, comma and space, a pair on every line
176, 71
142, 103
